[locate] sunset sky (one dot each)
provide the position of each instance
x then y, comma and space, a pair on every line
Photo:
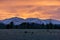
43, 9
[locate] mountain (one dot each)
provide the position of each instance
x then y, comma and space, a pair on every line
47, 21
18, 21
15, 20
34, 20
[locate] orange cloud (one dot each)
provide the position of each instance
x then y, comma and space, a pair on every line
42, 9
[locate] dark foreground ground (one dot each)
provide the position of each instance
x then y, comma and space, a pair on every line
29, 34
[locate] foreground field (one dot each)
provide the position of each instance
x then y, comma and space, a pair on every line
29, 34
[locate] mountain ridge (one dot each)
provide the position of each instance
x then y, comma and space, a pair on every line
18, 21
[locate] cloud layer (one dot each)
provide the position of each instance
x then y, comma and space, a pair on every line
43, 9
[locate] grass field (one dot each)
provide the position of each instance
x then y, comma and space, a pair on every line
29, 34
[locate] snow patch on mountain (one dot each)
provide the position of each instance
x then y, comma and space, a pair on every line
18, 21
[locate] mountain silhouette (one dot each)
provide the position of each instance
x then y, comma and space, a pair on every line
15, 20
18, 21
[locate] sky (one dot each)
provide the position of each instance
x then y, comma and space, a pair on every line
42, 9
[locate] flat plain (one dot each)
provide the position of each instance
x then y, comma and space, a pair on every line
29, 34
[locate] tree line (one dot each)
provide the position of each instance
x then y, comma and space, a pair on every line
27, 25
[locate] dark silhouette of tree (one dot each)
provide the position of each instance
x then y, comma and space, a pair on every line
24, 25
10, 26
56, 26
35, 26
50, 26
42, 26
27, 25
2, 26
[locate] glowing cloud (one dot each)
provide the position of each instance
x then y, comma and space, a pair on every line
43, 9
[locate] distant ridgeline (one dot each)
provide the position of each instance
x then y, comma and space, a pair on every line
26, 25
29, 23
